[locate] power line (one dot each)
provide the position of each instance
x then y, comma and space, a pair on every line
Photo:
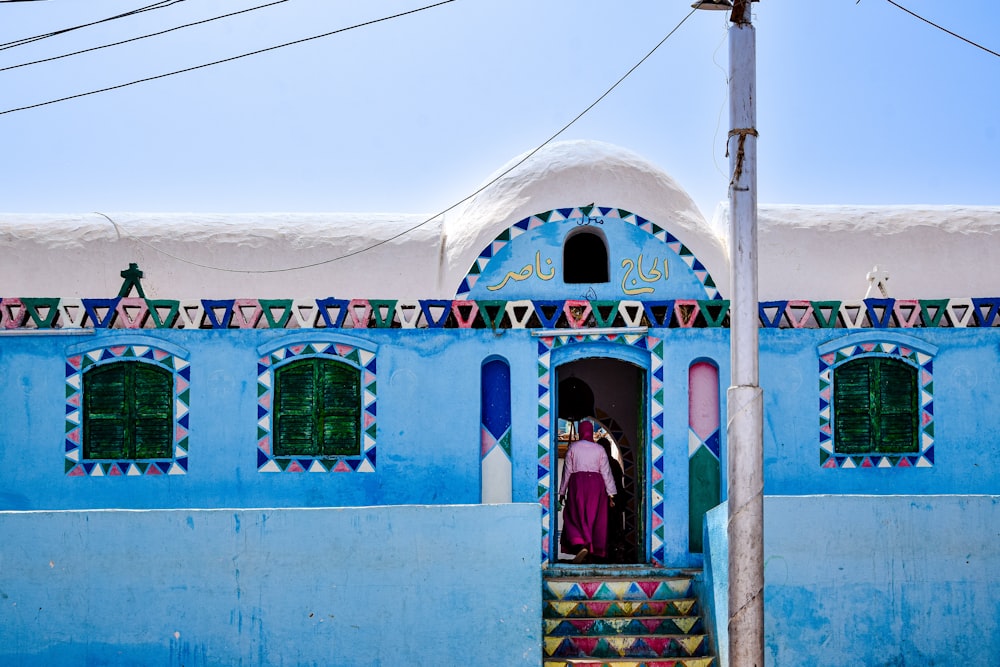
135, 39
953, 34
226, 60
483, 187
28, 40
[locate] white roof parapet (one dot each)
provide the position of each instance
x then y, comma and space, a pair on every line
81, 255
826, 252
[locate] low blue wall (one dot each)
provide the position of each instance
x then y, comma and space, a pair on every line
395, 585
880, 581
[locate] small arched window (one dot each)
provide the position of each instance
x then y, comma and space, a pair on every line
585, 259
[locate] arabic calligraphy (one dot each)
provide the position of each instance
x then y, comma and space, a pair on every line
629, 283
527, 271
636, 273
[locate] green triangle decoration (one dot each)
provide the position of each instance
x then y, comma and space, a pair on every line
495, 318
932, 318
173, 309
721, 306
33, 304
383, 321
823, 321
598, 308
505, 443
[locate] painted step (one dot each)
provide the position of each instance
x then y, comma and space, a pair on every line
649, 625
647, 646
632, 589
705, 661
618, 608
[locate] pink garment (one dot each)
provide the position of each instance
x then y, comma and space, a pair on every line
587, 456
585, 518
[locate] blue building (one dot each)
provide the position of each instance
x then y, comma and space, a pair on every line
336, 439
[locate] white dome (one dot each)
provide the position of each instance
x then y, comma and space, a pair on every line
577, 173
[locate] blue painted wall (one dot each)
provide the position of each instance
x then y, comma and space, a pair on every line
427, 455
359, 586
965, 389
881, 581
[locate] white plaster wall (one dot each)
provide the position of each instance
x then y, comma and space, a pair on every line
82, 255
806, 252
825, 252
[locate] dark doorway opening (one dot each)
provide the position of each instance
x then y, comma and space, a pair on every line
619, 414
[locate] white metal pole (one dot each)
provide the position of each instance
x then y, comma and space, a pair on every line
745, 399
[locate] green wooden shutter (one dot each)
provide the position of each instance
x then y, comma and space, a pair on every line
317, 409
154, 414
852, 402
128, 412
898, 415
294, 409
105, 412
340, 408
876, 407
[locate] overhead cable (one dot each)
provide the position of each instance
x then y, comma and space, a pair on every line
483, 187
943, 29
229, 59
28, 40
136, 39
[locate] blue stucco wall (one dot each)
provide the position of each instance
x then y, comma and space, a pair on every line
965, 390
359, 586
425, 456
428, 436
881, 581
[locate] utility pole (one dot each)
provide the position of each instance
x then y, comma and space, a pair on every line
745, 399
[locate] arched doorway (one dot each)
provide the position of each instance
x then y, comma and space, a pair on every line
618, 389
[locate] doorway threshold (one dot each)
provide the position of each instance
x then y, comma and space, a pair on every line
615, 570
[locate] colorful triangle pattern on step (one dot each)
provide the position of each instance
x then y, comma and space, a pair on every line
623, 621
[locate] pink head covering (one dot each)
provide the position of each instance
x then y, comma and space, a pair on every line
586, 431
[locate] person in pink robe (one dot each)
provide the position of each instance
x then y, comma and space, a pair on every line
586, 491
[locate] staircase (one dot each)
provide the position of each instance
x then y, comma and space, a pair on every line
622, 618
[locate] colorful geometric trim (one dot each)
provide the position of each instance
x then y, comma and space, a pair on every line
77, 363
594, 213
353, 355
913, 352
328, 313
652, 345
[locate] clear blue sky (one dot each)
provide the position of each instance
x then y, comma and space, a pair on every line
858, 103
